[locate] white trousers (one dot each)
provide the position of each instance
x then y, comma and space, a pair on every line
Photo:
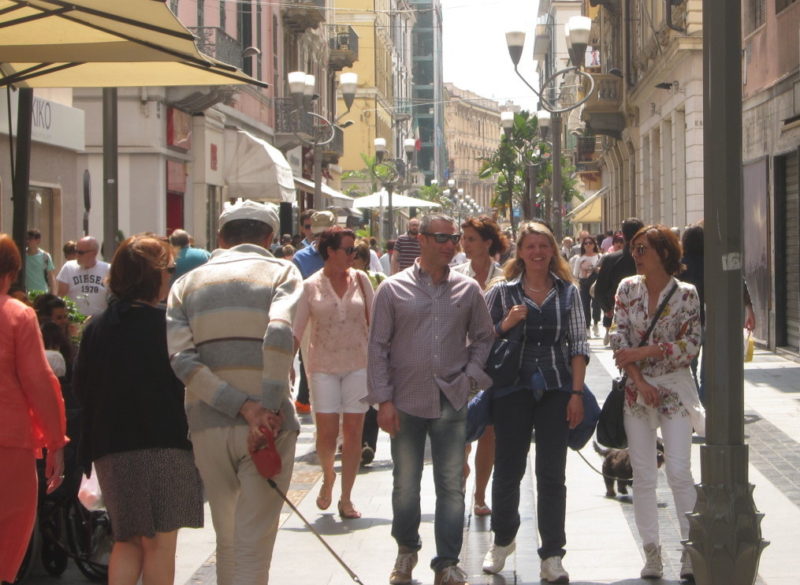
245, 509
676, 433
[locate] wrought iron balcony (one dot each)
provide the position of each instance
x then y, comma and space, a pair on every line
215, 42
332, 151
300, 15
601, 112
291, 126
343, 45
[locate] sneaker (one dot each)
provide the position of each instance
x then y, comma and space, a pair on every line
595, 330
653, 567
367, 454
687, 572
302, 407
607, 338
452, 575
553, 571
495, 558
403, 565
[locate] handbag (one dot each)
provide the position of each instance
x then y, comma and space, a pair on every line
610, 425
580, 435
505, 357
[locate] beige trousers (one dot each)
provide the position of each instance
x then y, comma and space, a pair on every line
245, 509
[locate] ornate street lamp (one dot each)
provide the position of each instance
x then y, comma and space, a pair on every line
302, 88
394, 173
562, 92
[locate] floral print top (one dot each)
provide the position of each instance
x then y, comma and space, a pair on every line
677, 334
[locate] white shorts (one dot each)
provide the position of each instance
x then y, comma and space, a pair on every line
339, 393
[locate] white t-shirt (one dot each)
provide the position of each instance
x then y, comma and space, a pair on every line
56, 361
87, 286
585, 265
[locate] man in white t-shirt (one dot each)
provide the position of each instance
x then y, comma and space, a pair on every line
84, 279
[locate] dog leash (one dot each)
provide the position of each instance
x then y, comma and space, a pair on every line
350, 571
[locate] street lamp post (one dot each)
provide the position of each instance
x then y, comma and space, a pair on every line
507, 123
556, 99
301, 87
395, 171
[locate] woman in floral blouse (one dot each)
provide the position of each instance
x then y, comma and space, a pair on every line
660, 390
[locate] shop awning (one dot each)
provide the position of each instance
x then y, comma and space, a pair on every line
339, 198
590, 210
381, 199
96, 43
254, 169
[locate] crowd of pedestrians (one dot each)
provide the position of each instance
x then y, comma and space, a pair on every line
186, 365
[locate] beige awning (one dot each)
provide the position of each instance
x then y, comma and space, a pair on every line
100, 43
590, 210
254, 169
339, 198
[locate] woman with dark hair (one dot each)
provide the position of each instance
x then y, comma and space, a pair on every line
540, 297
660, 391
31, 418
134, 425
336, 304
585, 271
482, 241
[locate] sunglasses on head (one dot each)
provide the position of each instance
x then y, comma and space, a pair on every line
442, 238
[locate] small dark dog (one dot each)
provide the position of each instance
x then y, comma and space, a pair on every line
617, 467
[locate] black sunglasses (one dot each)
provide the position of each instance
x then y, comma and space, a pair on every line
443, 238
307, 227
170, 269
349, 250
82, 252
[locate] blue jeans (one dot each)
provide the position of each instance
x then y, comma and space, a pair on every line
448, 437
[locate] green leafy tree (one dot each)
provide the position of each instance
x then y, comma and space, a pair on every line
522, 168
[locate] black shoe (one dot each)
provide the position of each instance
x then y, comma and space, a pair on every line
367, 454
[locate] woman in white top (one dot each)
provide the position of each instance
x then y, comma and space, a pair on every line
481, 240
336, 303
585, 270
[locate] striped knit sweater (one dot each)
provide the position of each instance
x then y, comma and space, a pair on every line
229, 333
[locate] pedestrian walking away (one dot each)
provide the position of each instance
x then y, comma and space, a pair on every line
229, 332
540, 296
134, 430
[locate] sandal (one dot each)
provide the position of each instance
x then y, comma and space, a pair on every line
482, 510
348, 512
325, 494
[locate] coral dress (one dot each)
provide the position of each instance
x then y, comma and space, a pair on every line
31, 417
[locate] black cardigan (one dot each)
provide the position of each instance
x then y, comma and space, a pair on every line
130, 396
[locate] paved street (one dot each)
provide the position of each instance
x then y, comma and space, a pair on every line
602, 541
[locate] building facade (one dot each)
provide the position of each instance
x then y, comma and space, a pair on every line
472, 131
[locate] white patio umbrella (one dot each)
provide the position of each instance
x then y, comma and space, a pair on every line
381, 199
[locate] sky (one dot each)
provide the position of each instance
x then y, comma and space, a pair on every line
475, 52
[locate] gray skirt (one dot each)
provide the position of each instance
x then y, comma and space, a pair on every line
150, 490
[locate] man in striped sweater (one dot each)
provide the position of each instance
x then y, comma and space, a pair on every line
229, 331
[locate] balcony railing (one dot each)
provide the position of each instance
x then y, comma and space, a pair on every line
215, 42
607, 95
300, 15
343, 45
332, 151
290, 125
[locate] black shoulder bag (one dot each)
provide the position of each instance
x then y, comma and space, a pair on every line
610, 426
